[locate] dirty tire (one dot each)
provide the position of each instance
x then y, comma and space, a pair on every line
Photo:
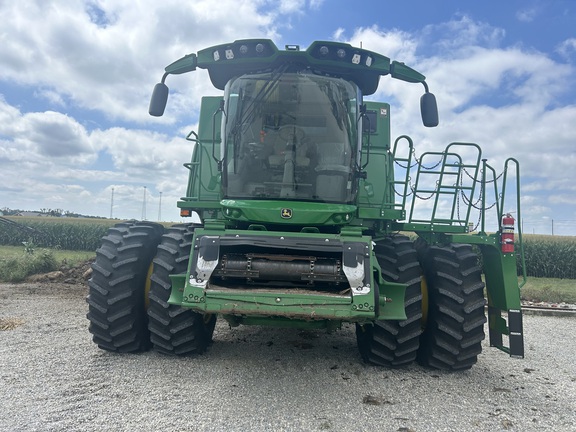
395, 343
452, 338
173, 329
116, 290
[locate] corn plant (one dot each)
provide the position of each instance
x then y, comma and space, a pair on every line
550, 256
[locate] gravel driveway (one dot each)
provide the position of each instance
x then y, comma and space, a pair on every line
53, 378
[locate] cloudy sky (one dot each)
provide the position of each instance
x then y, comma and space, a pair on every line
76, 78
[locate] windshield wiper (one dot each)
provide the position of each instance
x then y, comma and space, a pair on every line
248, 114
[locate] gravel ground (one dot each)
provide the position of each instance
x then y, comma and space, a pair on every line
53, 378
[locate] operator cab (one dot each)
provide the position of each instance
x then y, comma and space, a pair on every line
290, 136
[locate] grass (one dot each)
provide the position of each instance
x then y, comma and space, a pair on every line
18, 262
67, 256
16, 265
549, 290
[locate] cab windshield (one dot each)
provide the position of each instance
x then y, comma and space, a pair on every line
290, 136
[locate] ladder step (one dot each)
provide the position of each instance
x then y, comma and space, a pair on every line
515, 337
439, 172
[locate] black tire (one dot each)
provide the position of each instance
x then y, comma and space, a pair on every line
452, 338
173, 329
395, 343
117, 288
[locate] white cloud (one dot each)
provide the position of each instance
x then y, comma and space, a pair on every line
470, 86
567, 48
55, 135
504, 98
316, 4
291, 6
49, 157
475, 70
462, 33
564, 183
104, 56
526, 15
8, 116
562, 199
338, 33
35, 136
395, 44
142, 153
53, 97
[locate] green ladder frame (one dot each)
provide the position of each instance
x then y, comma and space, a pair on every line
500, 271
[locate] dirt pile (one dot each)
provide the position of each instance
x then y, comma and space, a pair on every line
77, 274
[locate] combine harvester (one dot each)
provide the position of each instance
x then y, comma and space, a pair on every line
311, 216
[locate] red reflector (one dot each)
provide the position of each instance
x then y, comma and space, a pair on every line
185, 212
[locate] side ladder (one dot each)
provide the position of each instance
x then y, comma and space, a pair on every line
454, 182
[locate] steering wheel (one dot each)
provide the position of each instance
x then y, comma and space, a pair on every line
289, 133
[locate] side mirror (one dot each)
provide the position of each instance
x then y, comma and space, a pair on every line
158, 100
429, 110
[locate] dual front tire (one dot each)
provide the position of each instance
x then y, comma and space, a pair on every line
128, 292
444, 306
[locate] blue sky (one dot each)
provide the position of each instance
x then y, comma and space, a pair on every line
76, 77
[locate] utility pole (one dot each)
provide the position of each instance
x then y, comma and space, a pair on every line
112, 204
144, 205
160, 208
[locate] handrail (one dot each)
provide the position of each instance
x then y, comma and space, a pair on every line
440, 186
518, 211
196, 139
486, 167
444, 214
195, 183
408, 161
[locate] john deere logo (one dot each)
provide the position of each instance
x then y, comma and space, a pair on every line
286, 213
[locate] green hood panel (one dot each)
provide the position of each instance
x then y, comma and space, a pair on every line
288, 212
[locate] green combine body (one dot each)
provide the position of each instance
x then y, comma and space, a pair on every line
311, 216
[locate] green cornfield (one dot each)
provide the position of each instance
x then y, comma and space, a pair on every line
549, 256
545, 256
59, 233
